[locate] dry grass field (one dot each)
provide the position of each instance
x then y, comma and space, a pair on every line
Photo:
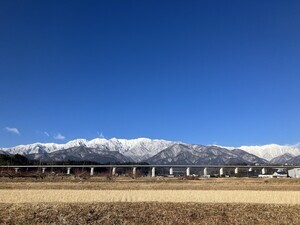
149, 213
127, 183
198, 196
100, 200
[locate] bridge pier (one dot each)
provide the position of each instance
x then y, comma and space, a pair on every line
113, 171
188, 171
68, 171
236, 170
134, 171
205, 172
92, 171
171, 171
153, 172
221, 171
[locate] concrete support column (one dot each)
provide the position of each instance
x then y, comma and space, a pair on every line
92, 171
153, 172
16, 170
134, 171
205, 172
250, 169
263, 171
43, 170
236, 170
171, 170
113, 171
188, 171
221, 171
69, 171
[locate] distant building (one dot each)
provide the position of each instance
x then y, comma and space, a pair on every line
294, 173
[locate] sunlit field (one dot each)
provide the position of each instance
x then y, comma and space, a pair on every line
102, 200
198, 196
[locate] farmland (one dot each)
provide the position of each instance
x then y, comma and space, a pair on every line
103, 200
197, 196
159, 183
148, 213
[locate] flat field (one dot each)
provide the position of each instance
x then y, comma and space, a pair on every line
127, 183
101, 200
149, 213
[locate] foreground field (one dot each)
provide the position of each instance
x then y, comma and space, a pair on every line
199, 196
106, 200
149, 213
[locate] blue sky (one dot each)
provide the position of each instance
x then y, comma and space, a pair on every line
206, 72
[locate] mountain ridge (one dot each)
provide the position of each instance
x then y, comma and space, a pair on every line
142, 149
138, 149
203, 155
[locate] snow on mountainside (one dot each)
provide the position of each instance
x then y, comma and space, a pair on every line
203, 155
3, 152
271, 151
137, 149
141, 149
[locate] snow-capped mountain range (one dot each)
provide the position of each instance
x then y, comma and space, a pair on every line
270, 151
137, 149
152, 150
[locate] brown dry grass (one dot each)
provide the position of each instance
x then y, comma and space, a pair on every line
199, 196
47, 212
148, 213
102, 183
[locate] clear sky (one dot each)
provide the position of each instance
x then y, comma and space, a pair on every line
206, 72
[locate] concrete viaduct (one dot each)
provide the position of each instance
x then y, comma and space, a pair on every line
153, 167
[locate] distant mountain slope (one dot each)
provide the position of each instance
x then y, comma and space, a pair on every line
282, 159
81, 153
202, 155
249, 157
271, 151
294, 161
3, 152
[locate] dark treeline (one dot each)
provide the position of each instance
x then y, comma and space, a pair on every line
14, 160
17, 159
6, 159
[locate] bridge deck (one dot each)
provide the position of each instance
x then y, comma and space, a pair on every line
147, 166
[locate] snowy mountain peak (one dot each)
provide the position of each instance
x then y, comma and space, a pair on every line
138, 149
271, 151
141, 149
77, 142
